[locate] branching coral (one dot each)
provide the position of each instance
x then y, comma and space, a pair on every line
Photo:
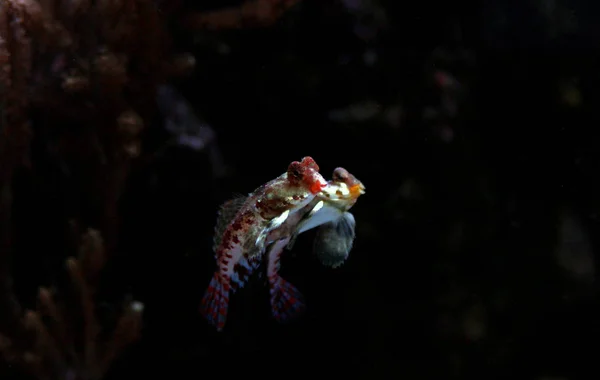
90, 70
60, 351
80, 77
15, 70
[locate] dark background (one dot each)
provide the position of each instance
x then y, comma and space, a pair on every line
473, 127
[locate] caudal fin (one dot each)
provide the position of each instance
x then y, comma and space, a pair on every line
287, 303
215, 302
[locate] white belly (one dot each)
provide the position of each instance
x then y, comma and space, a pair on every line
325, 215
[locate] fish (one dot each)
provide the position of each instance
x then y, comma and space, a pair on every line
242, 231
332, 244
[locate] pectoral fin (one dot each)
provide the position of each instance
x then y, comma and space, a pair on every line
301, 227
334, 240
260, 241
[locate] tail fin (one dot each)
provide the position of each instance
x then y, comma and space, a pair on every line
215, 302
287, 303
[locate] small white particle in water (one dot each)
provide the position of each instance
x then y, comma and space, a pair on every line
137, 306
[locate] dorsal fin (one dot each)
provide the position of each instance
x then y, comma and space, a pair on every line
225, 215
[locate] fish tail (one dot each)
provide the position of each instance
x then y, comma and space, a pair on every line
215, 301
287, 303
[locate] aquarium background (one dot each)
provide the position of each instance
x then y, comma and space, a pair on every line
473, 126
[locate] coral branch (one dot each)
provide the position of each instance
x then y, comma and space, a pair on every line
250, 13
15, 71
127, 331
94, 65
52, 354
15, 133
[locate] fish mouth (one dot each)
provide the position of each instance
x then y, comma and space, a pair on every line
357, 190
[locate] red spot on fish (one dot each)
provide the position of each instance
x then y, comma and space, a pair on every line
316, 187
237, 225
235, 239
226, 287
228, 255
225, 245
310, 163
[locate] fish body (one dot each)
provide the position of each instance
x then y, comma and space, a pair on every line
243, 228
333, 242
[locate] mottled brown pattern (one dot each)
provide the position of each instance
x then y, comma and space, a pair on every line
227, 212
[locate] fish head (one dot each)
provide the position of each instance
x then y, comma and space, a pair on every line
343, 190
355, 187
306, 174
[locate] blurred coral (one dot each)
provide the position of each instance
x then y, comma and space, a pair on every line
80, 79
250, 13
53, 343
479, 249
87, 72
91, 69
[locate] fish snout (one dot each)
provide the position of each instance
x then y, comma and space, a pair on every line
318, 183
357, 189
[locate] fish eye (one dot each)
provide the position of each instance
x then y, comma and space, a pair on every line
340, 175
294, 171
